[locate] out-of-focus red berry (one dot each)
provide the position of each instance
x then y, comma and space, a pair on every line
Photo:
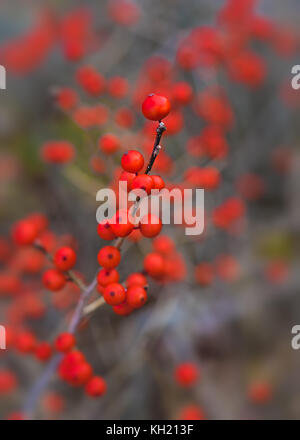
53, 280
96, 386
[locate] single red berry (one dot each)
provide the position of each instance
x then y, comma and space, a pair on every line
65, 258
260, 392
158, 182
121, 224
105, 231
25, 342
186, 374
109, 143
182, 93
132, 161
107, 276
136, 279
163, 245
154, 265
127, 177
24, 232
96, 386
114, 294
109, 257
80, 373
53, 280
65, 342
191, 412
117, 87
74, 357
144, 182
8, 382
150, 225
136, 296
156, 107
123, 309
43, 351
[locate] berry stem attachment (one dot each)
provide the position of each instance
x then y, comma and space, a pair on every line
159, 132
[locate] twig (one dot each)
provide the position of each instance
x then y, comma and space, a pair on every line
159, 132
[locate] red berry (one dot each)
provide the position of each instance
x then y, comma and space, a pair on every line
164, 245
121, 224
25, 342
136, 296
43, 351
132, 161
114, 294
117, 87
107, 276
80, 373
65, 342
53, 280
123, 309
158, 182
182, 93
24, 232
65, 258
91, 81
105, 231
127, 177
136, 279
109, 143
156, 107
154, 265
191, 412
144, 182
150, 225
95, 387
109, 257
186, 374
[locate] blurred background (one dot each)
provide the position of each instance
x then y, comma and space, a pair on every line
225, 307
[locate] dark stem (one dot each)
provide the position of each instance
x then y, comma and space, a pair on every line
159, 132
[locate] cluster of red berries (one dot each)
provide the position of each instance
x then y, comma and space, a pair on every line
64, 260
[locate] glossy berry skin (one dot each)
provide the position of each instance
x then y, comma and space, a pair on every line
53, 280
158, 182
136, 296
24, 232
132, 161
121, 224
154, 265
136, 279
105, 231
43, 351
114, 294
150, 225
144, 182
156, 107
65, 342
186, 374
109, 257
65, 258
107, 276
96, 386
